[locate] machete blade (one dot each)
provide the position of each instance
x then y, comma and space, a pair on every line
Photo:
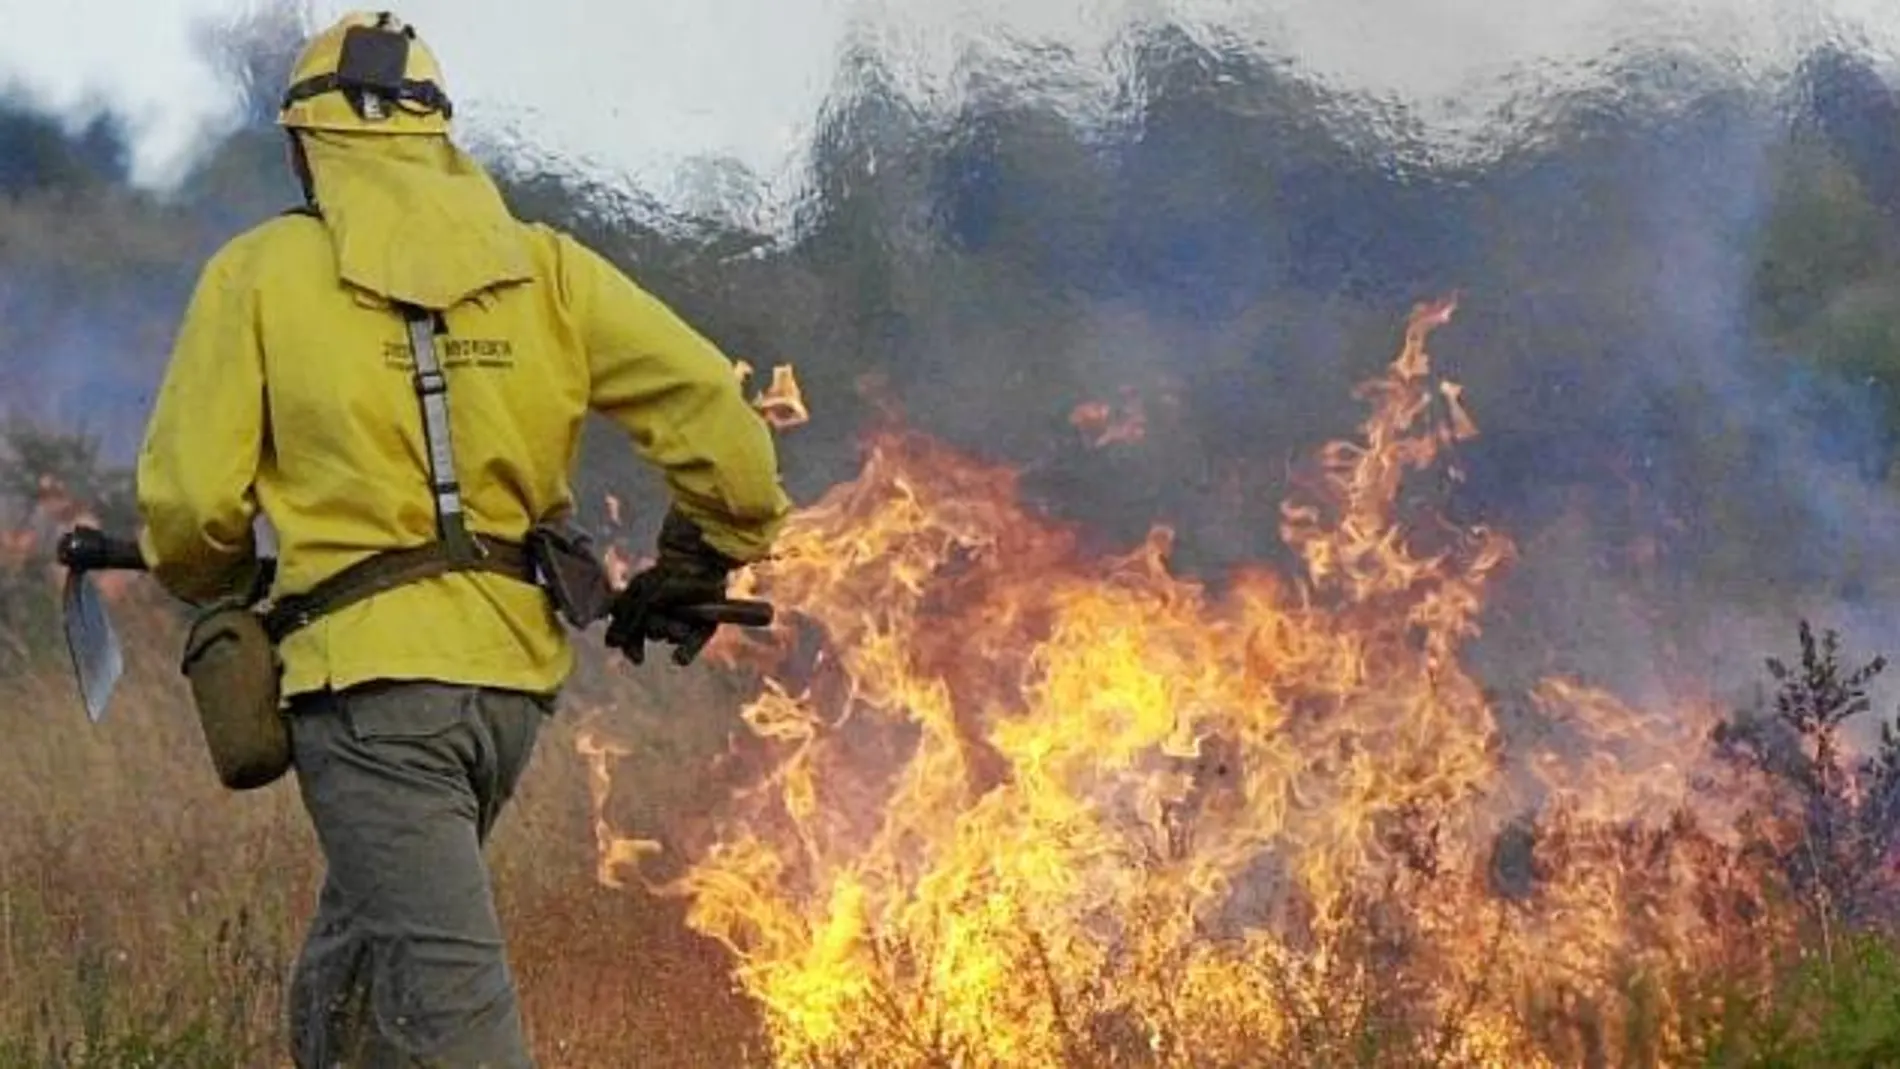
93, 644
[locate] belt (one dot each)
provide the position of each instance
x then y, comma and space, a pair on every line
387, 570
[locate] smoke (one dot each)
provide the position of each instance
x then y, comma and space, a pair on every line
1237, 243
1232, 238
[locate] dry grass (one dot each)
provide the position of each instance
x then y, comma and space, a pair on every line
137, 897
148, 918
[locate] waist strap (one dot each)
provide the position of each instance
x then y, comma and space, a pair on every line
390, 569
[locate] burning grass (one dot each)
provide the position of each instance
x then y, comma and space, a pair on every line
1024, 808
990, 802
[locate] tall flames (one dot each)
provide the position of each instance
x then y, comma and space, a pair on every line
1026, 807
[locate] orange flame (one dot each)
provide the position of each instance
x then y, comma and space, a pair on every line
782, 402
615, 850
1025, 804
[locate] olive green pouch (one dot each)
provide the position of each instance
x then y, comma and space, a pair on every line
234, 674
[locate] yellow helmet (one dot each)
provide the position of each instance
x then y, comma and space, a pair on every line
367, 74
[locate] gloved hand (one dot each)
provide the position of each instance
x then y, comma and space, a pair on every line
688, 572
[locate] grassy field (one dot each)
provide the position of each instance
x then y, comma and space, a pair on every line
149, 918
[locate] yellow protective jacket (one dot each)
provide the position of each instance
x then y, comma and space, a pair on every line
289, 390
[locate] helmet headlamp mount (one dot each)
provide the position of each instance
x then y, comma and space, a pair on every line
371, 70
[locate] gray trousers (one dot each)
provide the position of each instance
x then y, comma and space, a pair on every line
404, 964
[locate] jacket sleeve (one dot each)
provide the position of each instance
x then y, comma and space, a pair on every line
199, 460
680, 400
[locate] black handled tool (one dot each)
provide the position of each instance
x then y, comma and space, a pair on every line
93, 644
86, 549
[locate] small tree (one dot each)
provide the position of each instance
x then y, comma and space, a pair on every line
42, 469
1849, 811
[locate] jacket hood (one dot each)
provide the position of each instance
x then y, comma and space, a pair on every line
413, 218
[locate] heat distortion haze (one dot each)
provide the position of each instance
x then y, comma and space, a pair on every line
1306, 554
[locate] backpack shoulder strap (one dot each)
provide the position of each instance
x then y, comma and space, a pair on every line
432, 394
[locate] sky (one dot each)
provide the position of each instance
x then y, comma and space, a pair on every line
640, 90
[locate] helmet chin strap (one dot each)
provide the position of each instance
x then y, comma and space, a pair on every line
300, 167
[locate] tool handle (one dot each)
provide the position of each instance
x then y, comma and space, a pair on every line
87, 549
737, 612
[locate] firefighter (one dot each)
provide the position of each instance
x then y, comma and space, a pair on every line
398, 372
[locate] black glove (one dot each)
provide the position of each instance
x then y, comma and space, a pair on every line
688, 572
